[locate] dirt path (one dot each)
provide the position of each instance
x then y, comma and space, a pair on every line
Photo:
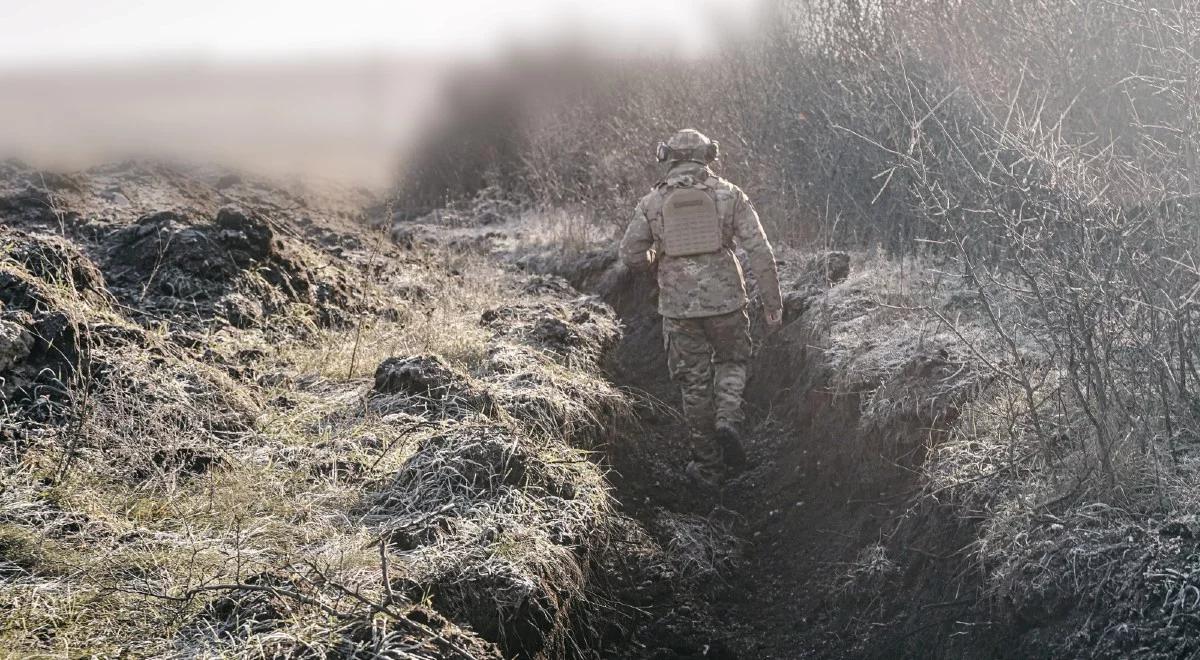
789, 527
793, 529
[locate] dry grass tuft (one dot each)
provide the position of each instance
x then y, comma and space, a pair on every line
701, 549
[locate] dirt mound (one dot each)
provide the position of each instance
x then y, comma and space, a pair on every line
190, 245
498, 529
56, 263
258, 610
809, 278
40, 276
63, 331
425, 385
237, 267
632, 295
498, 518
579, 331
1141, 576
420, 375
15, 344
47, 289
544, 367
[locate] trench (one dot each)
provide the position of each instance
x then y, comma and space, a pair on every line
799, 515
784, 517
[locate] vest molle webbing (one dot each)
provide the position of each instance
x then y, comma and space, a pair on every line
691, 224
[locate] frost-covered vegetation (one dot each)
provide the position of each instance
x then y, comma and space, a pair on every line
1018, 184
231, 430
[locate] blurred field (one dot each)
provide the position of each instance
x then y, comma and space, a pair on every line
340, 119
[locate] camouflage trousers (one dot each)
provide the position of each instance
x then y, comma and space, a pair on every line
707, 358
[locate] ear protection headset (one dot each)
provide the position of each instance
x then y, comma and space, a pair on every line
664, 153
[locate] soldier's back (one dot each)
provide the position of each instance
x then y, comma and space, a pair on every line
698, 285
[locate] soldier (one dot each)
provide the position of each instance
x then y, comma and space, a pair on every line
688, 224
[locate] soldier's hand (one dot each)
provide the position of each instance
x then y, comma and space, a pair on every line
774, 320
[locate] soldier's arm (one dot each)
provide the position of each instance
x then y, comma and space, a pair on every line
754, 241
637, 246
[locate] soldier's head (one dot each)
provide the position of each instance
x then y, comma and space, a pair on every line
688, 145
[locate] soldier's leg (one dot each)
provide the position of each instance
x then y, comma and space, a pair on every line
689, 359
729, 335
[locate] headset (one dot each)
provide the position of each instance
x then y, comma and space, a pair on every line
664, 153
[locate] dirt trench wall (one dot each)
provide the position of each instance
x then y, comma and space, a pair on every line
640, 357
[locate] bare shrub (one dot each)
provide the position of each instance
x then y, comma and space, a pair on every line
1086, 251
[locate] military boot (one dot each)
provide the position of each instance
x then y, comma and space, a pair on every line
705, 467
703, 474
730, 442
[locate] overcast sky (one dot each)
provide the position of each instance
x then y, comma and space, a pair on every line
82, 31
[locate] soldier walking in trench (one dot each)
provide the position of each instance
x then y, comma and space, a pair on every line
689, 224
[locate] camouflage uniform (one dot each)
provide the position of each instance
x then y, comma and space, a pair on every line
707, 358
702, 298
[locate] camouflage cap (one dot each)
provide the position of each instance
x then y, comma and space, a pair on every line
690, 144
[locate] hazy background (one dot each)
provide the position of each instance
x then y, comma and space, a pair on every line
318, 89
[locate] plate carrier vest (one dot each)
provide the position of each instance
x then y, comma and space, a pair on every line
691, 225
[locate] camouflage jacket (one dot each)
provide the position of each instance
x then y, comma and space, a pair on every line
705, 284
